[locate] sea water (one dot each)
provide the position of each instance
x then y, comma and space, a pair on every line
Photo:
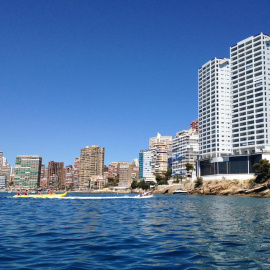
110, 231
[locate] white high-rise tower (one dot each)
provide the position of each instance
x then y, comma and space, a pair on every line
214, 109
250, 86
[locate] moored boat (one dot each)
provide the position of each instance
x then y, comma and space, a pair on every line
41, 195
180, 191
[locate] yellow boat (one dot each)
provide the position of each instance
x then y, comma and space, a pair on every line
41, 195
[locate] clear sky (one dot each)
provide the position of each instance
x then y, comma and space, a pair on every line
110, 73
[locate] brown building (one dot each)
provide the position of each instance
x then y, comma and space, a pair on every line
56, 174
112, 170
91, 164
76, 172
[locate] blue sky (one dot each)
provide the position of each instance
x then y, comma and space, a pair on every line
109, 73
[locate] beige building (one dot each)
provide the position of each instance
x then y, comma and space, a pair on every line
161, 148
124, 170
91, 164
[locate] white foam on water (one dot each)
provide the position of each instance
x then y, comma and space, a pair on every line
103, 198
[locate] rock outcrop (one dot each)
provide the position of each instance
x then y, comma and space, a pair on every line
232, 187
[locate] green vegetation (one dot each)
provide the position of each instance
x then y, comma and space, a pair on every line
198, 182
112, 182
179, 178
163, 180
251, 183
262, 171
168, 174
189, 167
140, 184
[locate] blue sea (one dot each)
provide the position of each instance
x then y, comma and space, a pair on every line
113, 231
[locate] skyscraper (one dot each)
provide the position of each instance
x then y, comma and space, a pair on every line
214, 109
27, 172
91, 164
250, 86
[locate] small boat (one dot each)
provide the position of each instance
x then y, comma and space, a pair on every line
148, 193
180, 191
41, 196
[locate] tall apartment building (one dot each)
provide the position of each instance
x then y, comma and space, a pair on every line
4, 167
76, 172
250, 85
214, 109
145, 166
124, 170
249, 112
161, 149
27, 172
56, 174
91, 164
163, 140
185, 150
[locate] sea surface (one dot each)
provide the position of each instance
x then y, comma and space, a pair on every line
114, 231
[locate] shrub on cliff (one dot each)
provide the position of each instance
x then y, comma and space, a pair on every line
198, 182
262, 171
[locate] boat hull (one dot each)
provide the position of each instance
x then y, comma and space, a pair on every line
41, 196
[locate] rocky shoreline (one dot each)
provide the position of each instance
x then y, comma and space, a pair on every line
222, 188
233, 188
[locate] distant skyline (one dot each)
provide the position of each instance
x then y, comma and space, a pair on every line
109, 73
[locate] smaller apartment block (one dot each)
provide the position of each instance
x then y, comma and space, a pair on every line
185, 150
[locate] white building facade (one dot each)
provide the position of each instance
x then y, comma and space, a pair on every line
185, 150
250, 85
214, 109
